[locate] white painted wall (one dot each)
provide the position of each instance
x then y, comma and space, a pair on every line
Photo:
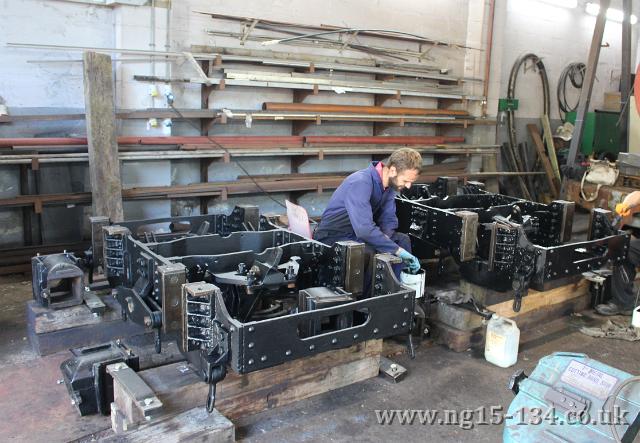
559, 36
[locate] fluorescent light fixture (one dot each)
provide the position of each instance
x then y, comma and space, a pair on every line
562, 3
615, 15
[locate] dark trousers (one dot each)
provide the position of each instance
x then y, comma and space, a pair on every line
401, 239
622, 293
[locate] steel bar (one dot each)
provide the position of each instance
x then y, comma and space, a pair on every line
587, 85
235, 141
244, 141
380, 110
399, 140
487, 60
324, 27
230, 188
196, 152
625, 76
324, 80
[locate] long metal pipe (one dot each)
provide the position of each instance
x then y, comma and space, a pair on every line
398, 140
487, 60
625, 76
380, 110
175, 140
257, 141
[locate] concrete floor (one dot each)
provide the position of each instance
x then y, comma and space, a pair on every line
35, 408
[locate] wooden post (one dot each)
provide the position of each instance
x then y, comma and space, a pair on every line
104, 166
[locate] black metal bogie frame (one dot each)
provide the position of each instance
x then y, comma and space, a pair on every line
504, 242
191, 286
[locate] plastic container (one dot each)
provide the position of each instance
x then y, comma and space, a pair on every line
635, 318
414, 281
502, 340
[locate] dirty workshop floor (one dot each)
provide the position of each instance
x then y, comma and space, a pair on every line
36, 409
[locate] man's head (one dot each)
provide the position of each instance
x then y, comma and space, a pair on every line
404, 168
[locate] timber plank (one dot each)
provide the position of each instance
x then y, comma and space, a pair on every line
180, 388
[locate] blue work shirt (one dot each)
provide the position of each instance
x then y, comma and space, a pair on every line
361, 210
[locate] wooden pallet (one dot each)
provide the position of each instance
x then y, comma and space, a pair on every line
460, 329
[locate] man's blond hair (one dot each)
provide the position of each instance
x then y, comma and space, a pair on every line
405, 159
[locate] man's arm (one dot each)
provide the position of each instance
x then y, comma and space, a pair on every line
388, 220
358, 206
629, 205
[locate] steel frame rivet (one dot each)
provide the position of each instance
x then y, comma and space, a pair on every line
375, 331
287, 352
312, 347
334, 340
250, 361
251, 345
263, 358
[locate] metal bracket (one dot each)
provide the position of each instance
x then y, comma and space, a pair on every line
392, 370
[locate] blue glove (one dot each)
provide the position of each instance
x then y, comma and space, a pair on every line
410, 260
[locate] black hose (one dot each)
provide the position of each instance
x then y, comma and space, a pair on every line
511, 92
574, 72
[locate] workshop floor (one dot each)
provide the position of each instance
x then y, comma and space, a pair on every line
35, 408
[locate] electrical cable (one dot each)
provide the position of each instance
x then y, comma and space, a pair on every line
264, 191
574, 72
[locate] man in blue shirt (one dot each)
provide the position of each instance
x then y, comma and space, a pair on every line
363, 209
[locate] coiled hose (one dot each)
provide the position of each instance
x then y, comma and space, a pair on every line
515, 159
574, 72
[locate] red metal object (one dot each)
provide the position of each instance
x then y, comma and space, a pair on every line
384, 140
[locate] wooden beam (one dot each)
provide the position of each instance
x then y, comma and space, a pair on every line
104, 166
537, 141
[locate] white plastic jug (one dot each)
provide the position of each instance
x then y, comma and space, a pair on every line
635, 318
502, 340
414, 281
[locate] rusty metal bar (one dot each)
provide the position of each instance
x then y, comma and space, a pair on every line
381, 110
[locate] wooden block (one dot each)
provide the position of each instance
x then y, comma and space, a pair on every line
179, 388
482, 295
54, 330
193, 425
457, 317
456, 339
537, 300
489, 297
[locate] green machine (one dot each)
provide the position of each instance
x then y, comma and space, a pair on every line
601, 133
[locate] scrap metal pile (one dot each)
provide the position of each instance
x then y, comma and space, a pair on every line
503, 242
234, 290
